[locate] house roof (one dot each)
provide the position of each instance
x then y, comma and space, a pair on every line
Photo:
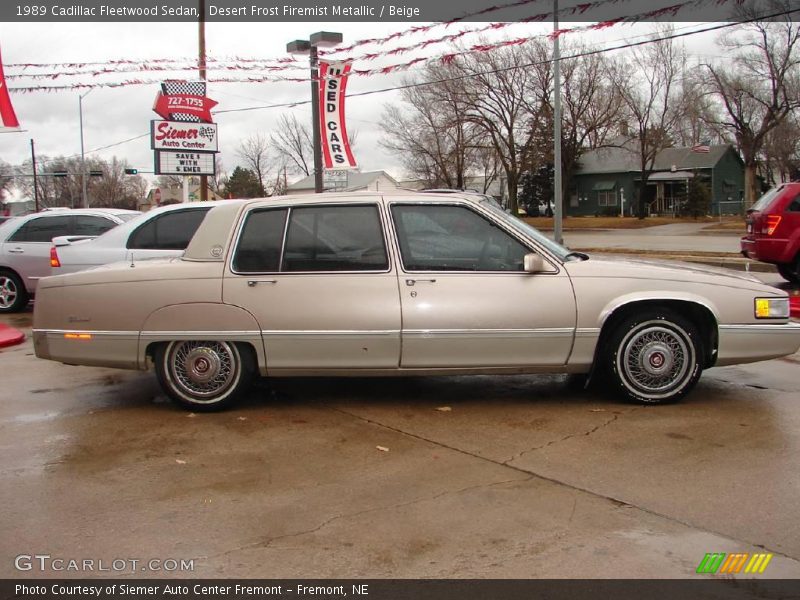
626, 159
355, 180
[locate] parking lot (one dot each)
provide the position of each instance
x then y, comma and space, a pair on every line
434, 477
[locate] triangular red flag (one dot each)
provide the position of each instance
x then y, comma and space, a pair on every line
6, 109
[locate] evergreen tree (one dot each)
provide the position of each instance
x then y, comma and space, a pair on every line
243, 183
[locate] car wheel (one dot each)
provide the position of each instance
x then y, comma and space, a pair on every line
204, 375
13, 295
654, 357
790, 272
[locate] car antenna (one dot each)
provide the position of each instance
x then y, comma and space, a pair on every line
132, 265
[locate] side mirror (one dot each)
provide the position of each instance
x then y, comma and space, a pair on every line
533, 263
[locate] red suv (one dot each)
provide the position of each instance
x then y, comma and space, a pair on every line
773, 230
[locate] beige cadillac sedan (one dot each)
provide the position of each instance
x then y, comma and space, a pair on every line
368, 284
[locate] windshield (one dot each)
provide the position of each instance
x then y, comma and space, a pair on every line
522, 227
765, 200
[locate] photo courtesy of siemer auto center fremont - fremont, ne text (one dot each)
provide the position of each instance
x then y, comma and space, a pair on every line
480, 299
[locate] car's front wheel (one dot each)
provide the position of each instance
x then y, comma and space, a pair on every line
204, 375
13, 295
654, 357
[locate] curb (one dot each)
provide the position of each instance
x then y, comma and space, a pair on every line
10, 336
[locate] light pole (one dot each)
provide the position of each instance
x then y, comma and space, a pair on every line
321, 39
558, 214
84, 198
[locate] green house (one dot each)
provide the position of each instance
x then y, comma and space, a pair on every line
608, 179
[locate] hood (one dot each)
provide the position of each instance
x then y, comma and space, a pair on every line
655, 269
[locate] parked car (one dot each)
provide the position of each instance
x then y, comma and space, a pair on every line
402, 284
25, 247
160, 233
773, 230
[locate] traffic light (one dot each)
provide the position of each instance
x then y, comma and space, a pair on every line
59, 173
131, 171
95, 173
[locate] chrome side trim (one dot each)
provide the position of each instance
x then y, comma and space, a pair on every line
543, 332
587, 332
200, 334
785, 328
86, 331
328, 332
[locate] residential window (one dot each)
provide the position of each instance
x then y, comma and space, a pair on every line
335, 238
453, 238
608, 198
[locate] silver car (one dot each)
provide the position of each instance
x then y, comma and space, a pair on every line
25, 247
399, 283
163, 232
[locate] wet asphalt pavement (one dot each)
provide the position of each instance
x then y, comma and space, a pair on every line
474, 477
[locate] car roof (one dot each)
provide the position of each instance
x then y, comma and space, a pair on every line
213, 234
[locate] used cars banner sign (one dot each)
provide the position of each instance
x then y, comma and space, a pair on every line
7, 116
336, 150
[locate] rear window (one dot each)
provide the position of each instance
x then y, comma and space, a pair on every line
170, 231
762, 203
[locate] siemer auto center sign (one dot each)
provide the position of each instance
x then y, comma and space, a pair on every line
176, 135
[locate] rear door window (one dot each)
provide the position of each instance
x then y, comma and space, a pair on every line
259, 247
335, 238
170, 231
90, 225
43, 229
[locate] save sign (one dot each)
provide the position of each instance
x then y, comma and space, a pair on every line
336, 150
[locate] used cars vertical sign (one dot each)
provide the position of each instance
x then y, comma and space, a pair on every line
336, 150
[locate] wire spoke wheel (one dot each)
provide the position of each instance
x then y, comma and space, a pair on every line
655, 356
204, 375
655, 359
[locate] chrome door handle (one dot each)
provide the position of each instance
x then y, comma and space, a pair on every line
255, 282
416, 281
16, 251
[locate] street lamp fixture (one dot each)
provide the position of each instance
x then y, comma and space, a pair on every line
321, 39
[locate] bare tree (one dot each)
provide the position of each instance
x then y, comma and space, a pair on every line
254, 151
429, 133
650, 88
760, 88
781, 151
292, 145
499, 101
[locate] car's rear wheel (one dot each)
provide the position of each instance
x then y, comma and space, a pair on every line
790, 271
204, 375
654, 357
13, 295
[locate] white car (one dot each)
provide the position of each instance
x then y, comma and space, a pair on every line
25, 246
163, 232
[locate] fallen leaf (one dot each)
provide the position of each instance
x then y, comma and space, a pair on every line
444, 409
597, 410
191, 415
180, 462
382, 448
243, 418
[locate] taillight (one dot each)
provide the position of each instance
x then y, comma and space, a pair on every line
771, 224
54, 262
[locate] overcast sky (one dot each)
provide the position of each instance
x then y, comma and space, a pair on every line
114, 115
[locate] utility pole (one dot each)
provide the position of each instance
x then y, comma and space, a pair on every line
202, 66
84, 197
321, 39
35, 181
557, 199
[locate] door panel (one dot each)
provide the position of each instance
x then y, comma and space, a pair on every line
297, 272
465, 299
